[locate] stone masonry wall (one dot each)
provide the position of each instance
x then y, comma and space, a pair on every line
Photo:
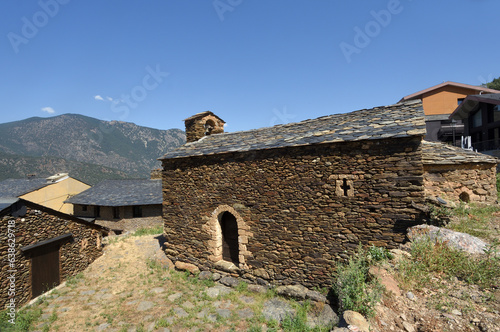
297, 209
475, 183
36, 226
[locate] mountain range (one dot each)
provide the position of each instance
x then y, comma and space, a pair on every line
89, 149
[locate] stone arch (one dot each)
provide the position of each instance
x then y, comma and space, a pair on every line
226, 213
209, 126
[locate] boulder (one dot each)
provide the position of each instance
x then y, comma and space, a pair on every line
182, 266
457, 240
294, 291
353, 318
324, 316
277, 310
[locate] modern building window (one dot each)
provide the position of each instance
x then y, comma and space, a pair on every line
477, 119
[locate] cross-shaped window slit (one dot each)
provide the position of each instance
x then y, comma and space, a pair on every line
345, 187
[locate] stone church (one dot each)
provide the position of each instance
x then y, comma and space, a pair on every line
282, 204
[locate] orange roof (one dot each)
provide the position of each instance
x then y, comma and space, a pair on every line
418, 95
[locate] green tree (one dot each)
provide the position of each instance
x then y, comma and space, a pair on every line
495, 84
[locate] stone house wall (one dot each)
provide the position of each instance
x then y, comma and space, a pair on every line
124, 212
469, 182
39, 225
297, 209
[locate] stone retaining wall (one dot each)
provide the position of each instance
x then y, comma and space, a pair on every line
37, 225
297, 209
470, 182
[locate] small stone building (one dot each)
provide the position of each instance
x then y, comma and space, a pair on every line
283, 203
121, 204
41, 247
457, 175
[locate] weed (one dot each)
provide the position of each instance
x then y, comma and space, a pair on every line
378, 254
352, 286
162, 322
242, 287
24, 320
149, 231
436, 257
74, 280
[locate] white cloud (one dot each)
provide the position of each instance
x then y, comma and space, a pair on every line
98, 97
49, 110
109, 98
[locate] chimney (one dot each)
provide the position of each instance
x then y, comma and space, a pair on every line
203, 124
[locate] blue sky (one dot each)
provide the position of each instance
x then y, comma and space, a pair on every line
254, 63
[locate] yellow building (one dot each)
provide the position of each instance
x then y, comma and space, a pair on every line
50, 192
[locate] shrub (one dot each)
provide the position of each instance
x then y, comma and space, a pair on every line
353, 287
436, 257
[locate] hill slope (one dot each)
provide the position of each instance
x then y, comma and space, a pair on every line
123, 148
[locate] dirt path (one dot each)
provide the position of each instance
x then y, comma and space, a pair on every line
126, 289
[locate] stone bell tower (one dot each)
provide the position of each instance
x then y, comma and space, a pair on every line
203, 124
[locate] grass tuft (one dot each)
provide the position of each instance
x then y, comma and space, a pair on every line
149, 231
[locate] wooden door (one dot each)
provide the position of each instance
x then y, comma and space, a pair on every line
44, 269
229, 228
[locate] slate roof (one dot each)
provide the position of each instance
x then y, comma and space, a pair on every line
399, 120
202, 114
437, 153
19, 187
120, 193
6, 202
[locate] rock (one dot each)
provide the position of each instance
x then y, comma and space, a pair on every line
316, 296
216, 276
226, 266
179, 312
293, 291
356, 319
460, 241
145, 305
411, 296
408, 327
246, 313
174, 297
229, 281
217, 290
205, 275
341, 329
456, 312
164, 261
191, 268
325, 318
261, 273
278, 310
158, 290
386, 279
224, 313
257, 288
